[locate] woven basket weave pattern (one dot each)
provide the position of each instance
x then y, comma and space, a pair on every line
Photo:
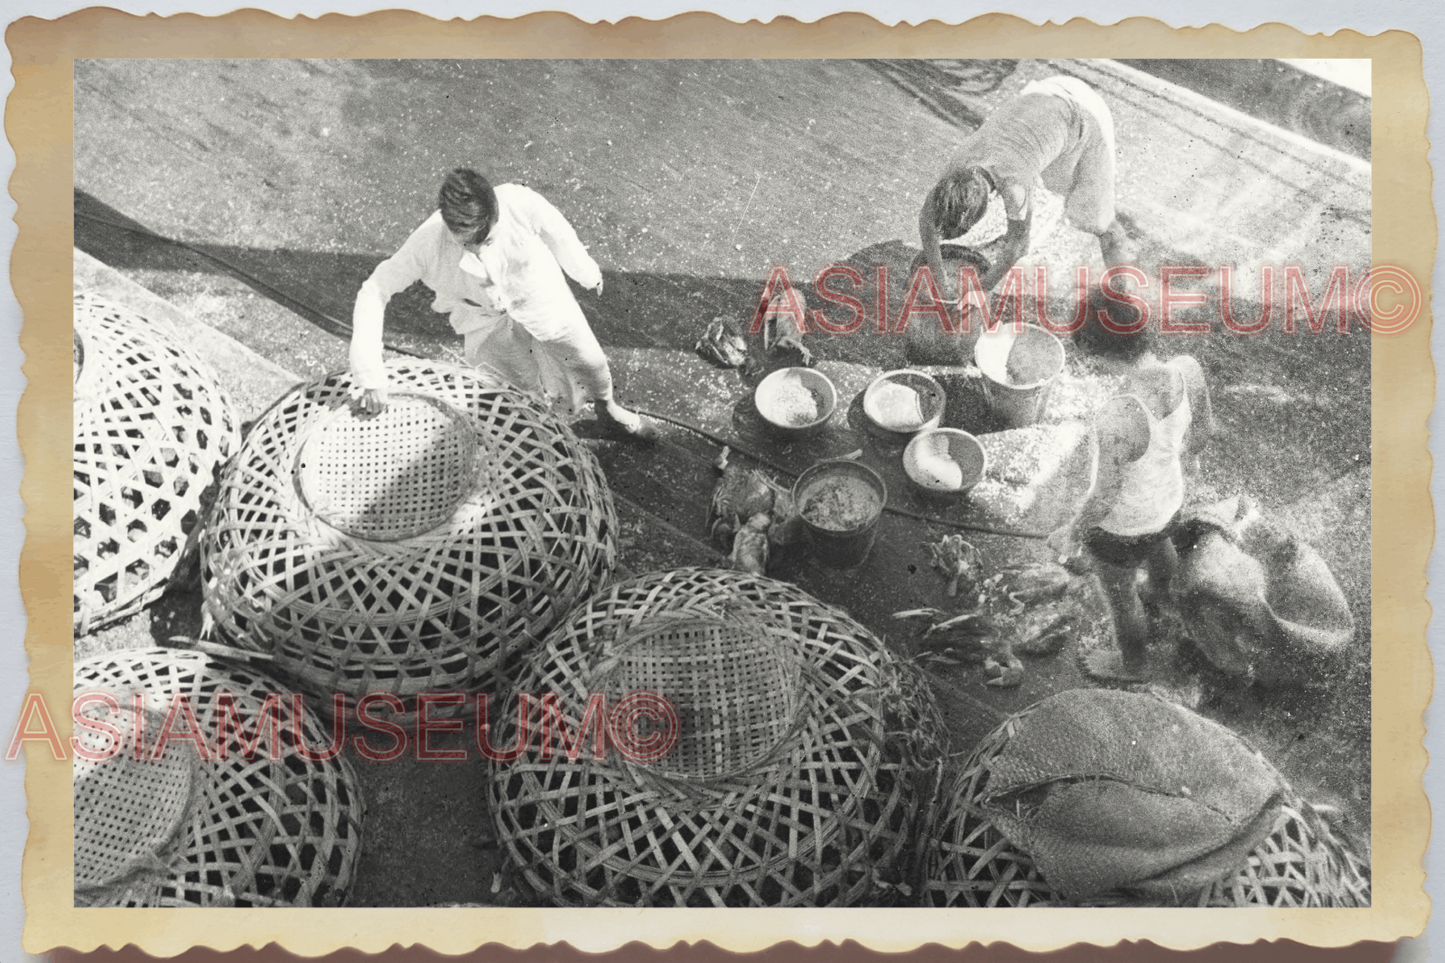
970, 862
132, 810
150, 427
821, 817
446, 585
258, 832
732, 682
390, 476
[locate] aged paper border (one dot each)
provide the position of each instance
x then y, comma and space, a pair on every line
38, 123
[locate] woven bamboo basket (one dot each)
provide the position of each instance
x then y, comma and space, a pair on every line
416, 549
970, 862
223, 830
801, 748
151, 426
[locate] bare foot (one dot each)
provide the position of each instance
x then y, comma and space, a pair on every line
1109, 664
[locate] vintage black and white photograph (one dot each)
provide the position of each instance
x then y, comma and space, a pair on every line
722, 483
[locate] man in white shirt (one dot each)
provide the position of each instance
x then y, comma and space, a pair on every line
494, 258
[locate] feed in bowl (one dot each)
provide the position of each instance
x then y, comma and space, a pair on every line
795, 398
841, 503
945, 460
903, 401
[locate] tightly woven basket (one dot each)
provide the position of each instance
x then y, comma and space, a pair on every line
802, 748
970, 862
151, 426
192, 831
412, 550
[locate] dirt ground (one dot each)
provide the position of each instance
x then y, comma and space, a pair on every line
689, 180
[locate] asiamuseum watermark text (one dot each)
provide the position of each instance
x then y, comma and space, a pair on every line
642, 726
1384, 299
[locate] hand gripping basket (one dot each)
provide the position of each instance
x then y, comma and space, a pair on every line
218, 830
801, 748
411, 550
1288, 856
151, 425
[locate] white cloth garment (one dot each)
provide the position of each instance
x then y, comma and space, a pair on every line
1153, 485
509, 302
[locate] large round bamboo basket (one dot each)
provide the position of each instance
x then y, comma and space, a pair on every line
412, 550
151, 425
235, 827
970, 862
802, 747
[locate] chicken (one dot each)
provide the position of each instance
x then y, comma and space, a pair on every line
740, 494
1038, 582
1052, 636
780, 329
959, 562
722, 345
1027, 611
971, 637
787, 528
750, 546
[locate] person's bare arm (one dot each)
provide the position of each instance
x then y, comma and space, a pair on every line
1004, 253
1119, 437
932, 255
1201, 424
368, 317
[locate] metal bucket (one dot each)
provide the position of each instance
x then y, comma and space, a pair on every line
850, 496
1019, 370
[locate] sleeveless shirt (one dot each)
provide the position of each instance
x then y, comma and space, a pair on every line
1153, 486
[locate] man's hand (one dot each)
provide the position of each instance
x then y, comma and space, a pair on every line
371, 401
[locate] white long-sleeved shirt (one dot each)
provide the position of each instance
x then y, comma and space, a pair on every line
517, 272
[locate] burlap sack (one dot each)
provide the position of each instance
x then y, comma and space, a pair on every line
1120, 791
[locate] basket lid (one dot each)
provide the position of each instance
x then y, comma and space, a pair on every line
392, 475
735, 690
128, 811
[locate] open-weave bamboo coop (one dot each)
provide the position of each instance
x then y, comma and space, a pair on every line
151, 425
415, 549
990, 841
235, 827
801, 744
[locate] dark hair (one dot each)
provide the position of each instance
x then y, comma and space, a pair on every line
468, 203
1097, 338
959, 200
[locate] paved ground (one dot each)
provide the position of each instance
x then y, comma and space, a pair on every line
689, 180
